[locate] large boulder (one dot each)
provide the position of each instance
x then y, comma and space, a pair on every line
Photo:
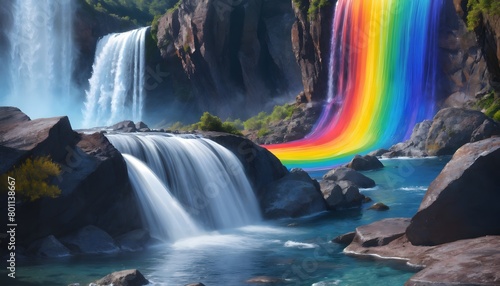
90, 240
453, 127
48, 247
341, 194
381, 232
294, 195
92, 179
348, 174
462, 202
134, 240
413, 147
131, 277
365, 163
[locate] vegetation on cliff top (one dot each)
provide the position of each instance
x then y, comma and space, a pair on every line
476, 8
259, 123
32, 179
140, 12
312, 7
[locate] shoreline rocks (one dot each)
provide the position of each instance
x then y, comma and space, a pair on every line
455, 236
131, 277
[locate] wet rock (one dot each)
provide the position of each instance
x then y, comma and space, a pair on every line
379, 207
90, 240
195, 284
365, 163
48, 247
462, 202
294, 195
265, 280
134, 240
381, 232
345, 239
131, 277
348, 174
124, 126
378, 152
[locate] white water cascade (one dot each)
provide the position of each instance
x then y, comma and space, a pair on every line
41, 57
205, 177
116, 89
162, 213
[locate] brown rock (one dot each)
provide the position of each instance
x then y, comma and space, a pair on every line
345, 239
453, 127
131, 277
348, 174
379, 207
381, 232
265, 280
463, 200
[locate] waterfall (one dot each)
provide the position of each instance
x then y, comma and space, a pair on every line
41, 57
116, 89
205, 177
162, 213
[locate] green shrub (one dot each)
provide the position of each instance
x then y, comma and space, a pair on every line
263, 132
209, 122
496, 116
476, 8
33, 177
315, 6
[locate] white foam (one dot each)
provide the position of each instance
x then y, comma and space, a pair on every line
327, 283
413, 188
300, 245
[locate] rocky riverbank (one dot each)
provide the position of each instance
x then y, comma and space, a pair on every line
455, 236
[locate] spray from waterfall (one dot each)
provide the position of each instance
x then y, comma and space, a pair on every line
40, 64
206, 178
116, 89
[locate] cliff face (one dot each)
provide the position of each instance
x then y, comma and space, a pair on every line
462, 63
488, 36
311, 46
235, 52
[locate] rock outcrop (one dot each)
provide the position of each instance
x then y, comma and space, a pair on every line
294, 195
348, 174
365, 163
311, 50
341, 194
90, 240
455, 235
463, 200
461, 59
450, 129
463, 262
93, 178
236, 52
48, 247
131, 277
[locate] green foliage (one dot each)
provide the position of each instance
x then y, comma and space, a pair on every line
209, 122
141, 12
316, 5
477, 8
33, 179
490, 103
154, 27
263, 119
263, 132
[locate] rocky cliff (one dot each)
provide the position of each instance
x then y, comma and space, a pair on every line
235, 52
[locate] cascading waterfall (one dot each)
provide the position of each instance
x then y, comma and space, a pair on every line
41, 57
164, 216
117, 84
382, 81
205, 177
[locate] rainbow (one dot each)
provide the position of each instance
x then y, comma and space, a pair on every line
382, 74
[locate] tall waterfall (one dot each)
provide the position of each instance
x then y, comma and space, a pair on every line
117, 84
205, 177
162, 213
41, 57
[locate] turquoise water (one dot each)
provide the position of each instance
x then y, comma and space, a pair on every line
298, 250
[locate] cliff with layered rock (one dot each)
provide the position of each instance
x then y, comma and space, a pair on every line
235, 52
